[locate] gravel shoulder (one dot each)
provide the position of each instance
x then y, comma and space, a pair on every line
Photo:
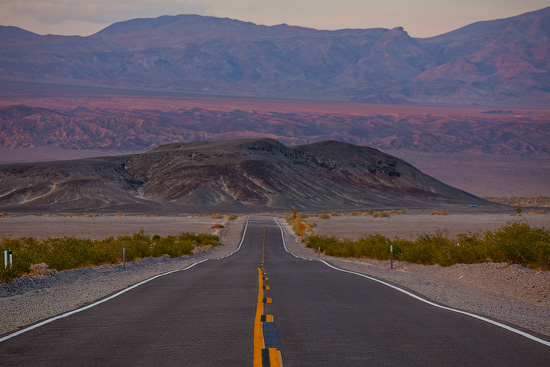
513, 294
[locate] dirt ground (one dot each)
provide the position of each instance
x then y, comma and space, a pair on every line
409, 226
102, 226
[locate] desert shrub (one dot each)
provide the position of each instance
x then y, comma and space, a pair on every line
429, 249
216, 216
324, 243
299, 225
70, 252
469, 248
519, 243
217, 226
323, 216
439, 212
375, 246
172, 247
521, 201
514, 243
232, 216
380, 214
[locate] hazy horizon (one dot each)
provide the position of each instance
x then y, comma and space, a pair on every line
424, 18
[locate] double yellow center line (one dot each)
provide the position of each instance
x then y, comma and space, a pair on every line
267, 350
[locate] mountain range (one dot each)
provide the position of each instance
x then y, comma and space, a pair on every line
223, 176
493, 63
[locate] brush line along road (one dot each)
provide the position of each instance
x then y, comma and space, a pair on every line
263, 306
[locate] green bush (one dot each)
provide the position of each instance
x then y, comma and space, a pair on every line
70, 252
519, 243
516, 243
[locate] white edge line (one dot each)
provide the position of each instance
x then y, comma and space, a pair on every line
509, 328
115, 295
95, 303
284, 242
240, 244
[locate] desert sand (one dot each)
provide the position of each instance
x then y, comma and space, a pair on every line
100, 227
410, 225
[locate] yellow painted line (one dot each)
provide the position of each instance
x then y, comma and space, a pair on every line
266, 287
268, 300
268, 318
275, 359
258, 334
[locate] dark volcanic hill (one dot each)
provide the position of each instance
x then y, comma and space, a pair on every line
223, 176
504, 62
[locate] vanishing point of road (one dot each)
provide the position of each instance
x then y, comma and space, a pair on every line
263, 306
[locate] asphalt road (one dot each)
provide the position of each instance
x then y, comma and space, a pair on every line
311, 315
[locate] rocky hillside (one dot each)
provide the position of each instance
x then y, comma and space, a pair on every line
503, 62
222, 176
489, 132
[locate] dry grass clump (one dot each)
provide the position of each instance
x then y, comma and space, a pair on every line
323, 216
520, 201
217, 226
536, 211
380, 214
439, 212
299, 225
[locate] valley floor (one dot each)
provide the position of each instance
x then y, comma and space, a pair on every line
510, 293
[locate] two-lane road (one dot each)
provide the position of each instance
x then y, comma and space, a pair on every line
312, 314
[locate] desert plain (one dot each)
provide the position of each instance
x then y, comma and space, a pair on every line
508, 293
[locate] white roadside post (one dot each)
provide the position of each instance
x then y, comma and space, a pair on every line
391, 256
124, 257
8, 258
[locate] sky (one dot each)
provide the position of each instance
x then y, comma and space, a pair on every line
420, 18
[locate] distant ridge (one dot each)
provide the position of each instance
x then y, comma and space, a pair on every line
500, 63
225, 176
